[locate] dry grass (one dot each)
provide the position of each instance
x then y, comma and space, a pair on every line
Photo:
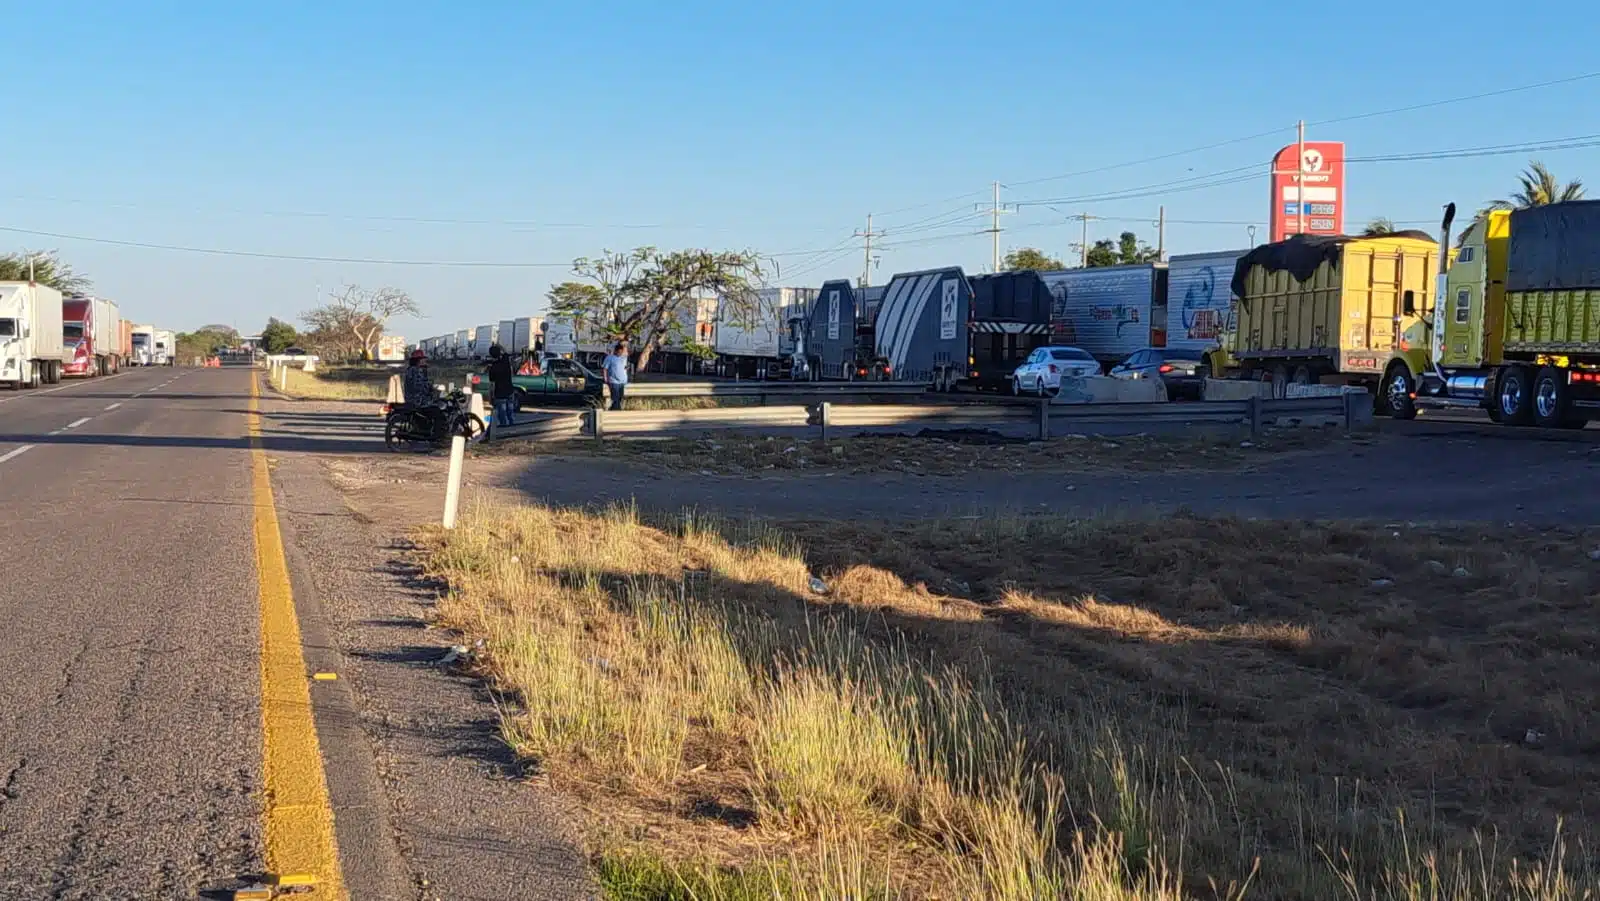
1021, 708
359, 382
735, 454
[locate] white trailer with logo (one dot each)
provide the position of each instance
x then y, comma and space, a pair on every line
32, 352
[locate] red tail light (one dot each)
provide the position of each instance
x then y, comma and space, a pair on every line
1053, 368
474, 380
1165, 367
887, 370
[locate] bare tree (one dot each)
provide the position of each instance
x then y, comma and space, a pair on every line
46, 267
362, 314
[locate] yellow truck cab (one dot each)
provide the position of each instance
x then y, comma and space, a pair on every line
1518, 326
1334, 310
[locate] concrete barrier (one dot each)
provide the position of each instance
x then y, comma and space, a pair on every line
1099, 389
1235, 389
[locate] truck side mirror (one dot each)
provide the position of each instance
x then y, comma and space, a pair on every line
1408, 303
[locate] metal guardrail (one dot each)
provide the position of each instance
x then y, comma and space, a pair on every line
760, 388
1038, 421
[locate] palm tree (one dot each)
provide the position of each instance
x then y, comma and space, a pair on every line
1539, 188
1377, 227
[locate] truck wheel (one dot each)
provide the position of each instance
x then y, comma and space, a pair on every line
1397, 391
1301, 376
1552, 406
1514, 395
1280, 380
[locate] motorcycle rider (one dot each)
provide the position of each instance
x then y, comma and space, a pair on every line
417, 385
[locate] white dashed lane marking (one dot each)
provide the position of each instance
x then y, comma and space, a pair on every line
114, 406
15, 453
74, 424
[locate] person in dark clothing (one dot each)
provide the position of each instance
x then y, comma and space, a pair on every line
502, 389
417, 385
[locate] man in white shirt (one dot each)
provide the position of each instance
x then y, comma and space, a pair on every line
616, 371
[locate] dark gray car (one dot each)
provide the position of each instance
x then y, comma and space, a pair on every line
1179, 369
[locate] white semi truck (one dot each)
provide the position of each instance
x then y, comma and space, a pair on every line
31, 347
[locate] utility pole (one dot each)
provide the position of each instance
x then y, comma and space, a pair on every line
1161, 236
1083, 246
866, 267
994, 224
1300, 179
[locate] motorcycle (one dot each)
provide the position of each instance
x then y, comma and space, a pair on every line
411, 427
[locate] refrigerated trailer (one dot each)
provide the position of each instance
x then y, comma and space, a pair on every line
31, 348
91, 337
1109, 311
143, 341
754, 335
164, 348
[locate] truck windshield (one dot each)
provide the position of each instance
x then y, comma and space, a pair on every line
72, 331
140, 340
8, 328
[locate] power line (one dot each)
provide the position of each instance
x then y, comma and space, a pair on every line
1433, 103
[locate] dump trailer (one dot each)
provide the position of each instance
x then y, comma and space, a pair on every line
1109, 311
1518, 317
1333, 309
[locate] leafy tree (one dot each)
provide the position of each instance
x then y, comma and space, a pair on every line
362, 314
647, 296
278, 336
204, 341
1377, 227
48, 269
1124, 251
1030, 258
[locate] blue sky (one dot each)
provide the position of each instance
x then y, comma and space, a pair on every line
545, 133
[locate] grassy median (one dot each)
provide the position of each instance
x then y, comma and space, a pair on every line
359, 383
1038, 708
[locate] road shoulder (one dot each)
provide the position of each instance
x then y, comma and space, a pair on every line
460, 813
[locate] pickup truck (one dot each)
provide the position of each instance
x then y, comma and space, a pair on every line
557, 379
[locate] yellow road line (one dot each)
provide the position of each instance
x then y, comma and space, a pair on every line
300, 836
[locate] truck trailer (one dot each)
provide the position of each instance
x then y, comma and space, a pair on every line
143, 341
165, 348
521, 336
755, 335
483, 338
1333, 309
1517, 320
920, 333
31, 347
91, 337
1109, 311
1199, 299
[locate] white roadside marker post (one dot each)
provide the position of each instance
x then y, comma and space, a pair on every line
452, 488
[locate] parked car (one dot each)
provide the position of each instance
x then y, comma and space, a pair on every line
1179, 369
558, 379
1042, 371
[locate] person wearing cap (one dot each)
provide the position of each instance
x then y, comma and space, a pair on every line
417, 385
502, 389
